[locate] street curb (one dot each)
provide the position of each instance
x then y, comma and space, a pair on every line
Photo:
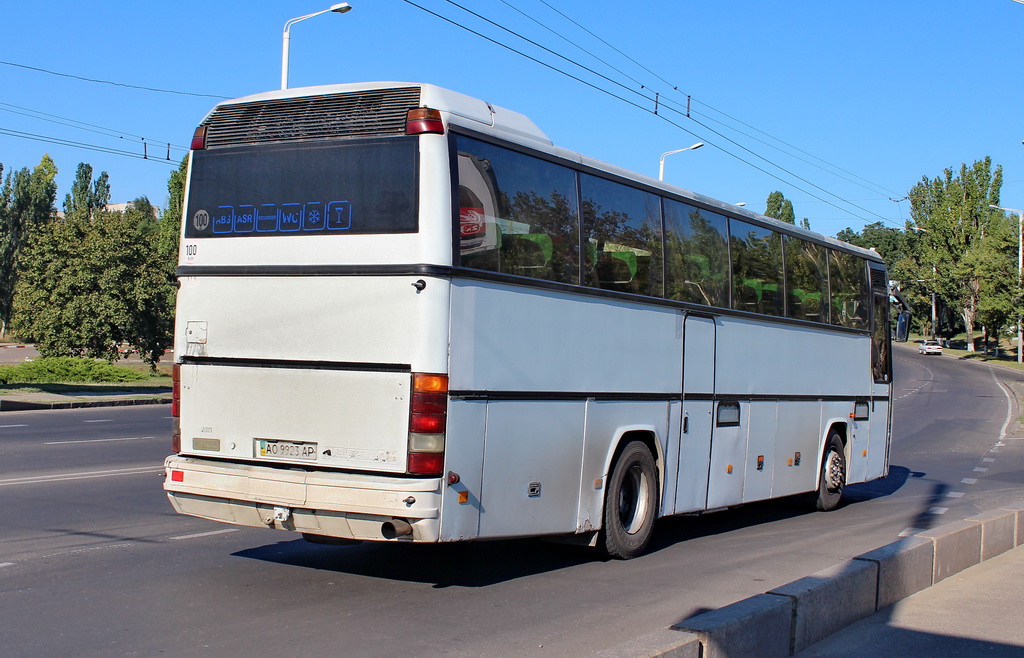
791, 618
19, 405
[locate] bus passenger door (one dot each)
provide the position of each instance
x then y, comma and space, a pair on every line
698, 408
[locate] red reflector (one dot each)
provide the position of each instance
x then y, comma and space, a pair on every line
429, 403
426, 463
199, 139
427, 423
177, 476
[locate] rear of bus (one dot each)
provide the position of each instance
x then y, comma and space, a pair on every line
311, 337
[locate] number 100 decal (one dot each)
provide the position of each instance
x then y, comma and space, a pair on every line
283, 218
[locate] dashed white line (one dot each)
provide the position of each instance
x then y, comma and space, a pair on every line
955, 494
99, 420
979, 469
60, 477
988, 459
205, 534
6, 564
970, 480
128, 438
938, 510
6, 426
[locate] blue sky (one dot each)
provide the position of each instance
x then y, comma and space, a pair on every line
866, 97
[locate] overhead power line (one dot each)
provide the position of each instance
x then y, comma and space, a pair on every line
83, 145
649, 107
109, 82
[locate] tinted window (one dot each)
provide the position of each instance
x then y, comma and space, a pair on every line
756, 268
697, 255
848, 281
323, 188
517, 214
806, 280
621, 237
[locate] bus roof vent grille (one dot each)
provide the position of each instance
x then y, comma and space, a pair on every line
353, 114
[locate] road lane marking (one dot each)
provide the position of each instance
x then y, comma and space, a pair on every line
938, 510
99, 420
128, 438
970, 480
6, 426
988, 459
204, 534
6, 564
979, 469
84, 475
955, 494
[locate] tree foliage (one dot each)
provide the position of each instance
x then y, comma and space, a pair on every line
26, 202
961, 235
92, 283
781, 208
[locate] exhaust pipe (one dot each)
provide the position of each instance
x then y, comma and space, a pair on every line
395, 528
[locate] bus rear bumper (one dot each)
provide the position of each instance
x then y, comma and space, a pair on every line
345, 505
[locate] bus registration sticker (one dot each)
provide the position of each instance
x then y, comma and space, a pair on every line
275, 449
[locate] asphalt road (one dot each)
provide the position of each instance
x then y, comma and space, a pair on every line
93, 561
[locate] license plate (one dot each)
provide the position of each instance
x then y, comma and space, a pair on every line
274, 449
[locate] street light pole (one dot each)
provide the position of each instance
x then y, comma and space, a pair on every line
1020, 271
661, 163
339, 8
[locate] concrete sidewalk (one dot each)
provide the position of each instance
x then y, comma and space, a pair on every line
975, 612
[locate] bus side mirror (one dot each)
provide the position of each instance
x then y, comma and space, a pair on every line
902, 327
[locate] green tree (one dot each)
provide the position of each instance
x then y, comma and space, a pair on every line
959, 235
26, 202
87, 196
781, 208
90, 283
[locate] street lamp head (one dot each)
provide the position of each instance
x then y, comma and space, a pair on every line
341, 7
697, 145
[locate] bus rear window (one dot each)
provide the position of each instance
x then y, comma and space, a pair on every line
323, 188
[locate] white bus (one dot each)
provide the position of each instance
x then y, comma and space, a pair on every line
405, 315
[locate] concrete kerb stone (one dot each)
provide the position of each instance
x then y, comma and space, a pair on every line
757, 626
19, 405
1018, 513
957, 546
905, 567
830, 600
998, 532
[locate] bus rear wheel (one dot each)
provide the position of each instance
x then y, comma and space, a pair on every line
630, 503
832, 478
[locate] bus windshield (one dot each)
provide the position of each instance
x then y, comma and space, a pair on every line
314, 188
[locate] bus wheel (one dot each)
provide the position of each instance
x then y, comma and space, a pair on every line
833, 474
630, 502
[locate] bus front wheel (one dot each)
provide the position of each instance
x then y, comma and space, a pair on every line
832, 478
631, 502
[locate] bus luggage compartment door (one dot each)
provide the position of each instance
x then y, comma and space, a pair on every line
311, 417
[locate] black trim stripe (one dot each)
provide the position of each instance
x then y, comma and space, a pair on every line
294, 364
560, 396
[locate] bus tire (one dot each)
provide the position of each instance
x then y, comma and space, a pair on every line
832, 477
631, 502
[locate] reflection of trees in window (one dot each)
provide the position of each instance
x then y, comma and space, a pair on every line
806, 280
697, 255
623, 246
517, 213
756, 269
849, 287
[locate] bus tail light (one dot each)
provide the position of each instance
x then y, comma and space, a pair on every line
199, 139
428, 416
423, 121
176, 408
